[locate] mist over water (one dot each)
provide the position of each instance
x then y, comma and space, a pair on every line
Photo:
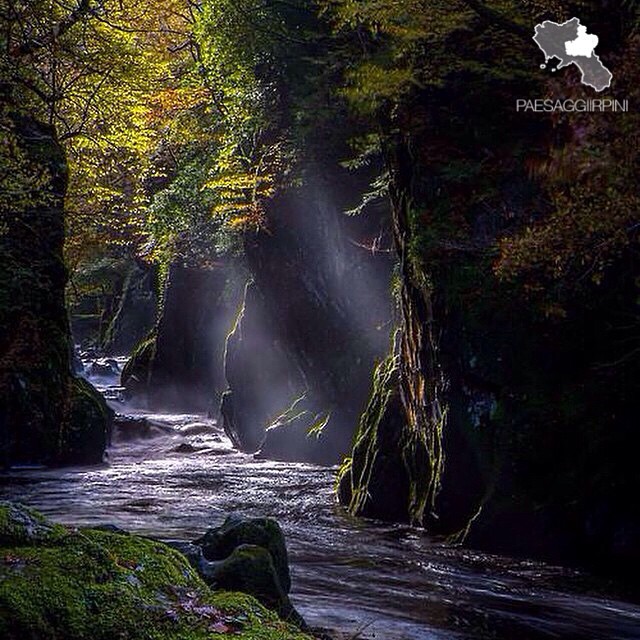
387, 581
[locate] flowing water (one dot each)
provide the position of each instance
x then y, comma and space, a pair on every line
366, 579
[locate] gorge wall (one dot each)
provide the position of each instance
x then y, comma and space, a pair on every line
504, 416
47, 415
315, 317
178, 366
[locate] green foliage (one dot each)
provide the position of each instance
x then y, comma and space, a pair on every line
418, 69
22, 180
246, 51
90, 70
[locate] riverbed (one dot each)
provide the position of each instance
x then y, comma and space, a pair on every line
366, 579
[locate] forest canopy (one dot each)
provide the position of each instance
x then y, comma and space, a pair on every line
181, 118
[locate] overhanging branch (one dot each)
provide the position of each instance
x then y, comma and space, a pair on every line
84, 8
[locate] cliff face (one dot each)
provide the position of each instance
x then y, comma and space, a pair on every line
179, 365
46, 414
506, 430
317, 307
494, 422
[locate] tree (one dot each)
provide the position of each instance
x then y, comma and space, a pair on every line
91, 69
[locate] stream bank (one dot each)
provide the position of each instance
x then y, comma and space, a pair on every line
384, 580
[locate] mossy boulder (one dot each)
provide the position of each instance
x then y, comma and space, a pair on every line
79, 584
219, 543
250, 569
248, 555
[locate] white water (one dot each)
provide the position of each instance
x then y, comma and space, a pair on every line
348, 574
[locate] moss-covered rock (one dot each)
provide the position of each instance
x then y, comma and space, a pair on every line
46, 414
250, 569
374, 482
517, 400
220, 542
248, 555
57, 582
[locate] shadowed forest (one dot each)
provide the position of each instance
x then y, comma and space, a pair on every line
306, 331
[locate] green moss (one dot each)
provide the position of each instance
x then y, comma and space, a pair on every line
80, 584
367, 444
374, 481
136, 372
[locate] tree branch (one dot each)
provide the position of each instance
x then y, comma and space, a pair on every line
83, 9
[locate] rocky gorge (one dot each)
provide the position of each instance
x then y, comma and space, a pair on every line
289, 271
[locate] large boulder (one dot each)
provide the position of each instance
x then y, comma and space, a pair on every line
250, 569
220, 542
248, 555
57, 582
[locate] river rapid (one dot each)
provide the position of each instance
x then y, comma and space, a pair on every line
366, 579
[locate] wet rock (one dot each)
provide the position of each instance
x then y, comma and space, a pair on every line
250, 569
374, 481
185, 447
131, 428
248, 555
219, 543
102, 368
59, 583
20, 525
198, 430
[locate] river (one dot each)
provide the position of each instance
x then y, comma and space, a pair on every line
369, 580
